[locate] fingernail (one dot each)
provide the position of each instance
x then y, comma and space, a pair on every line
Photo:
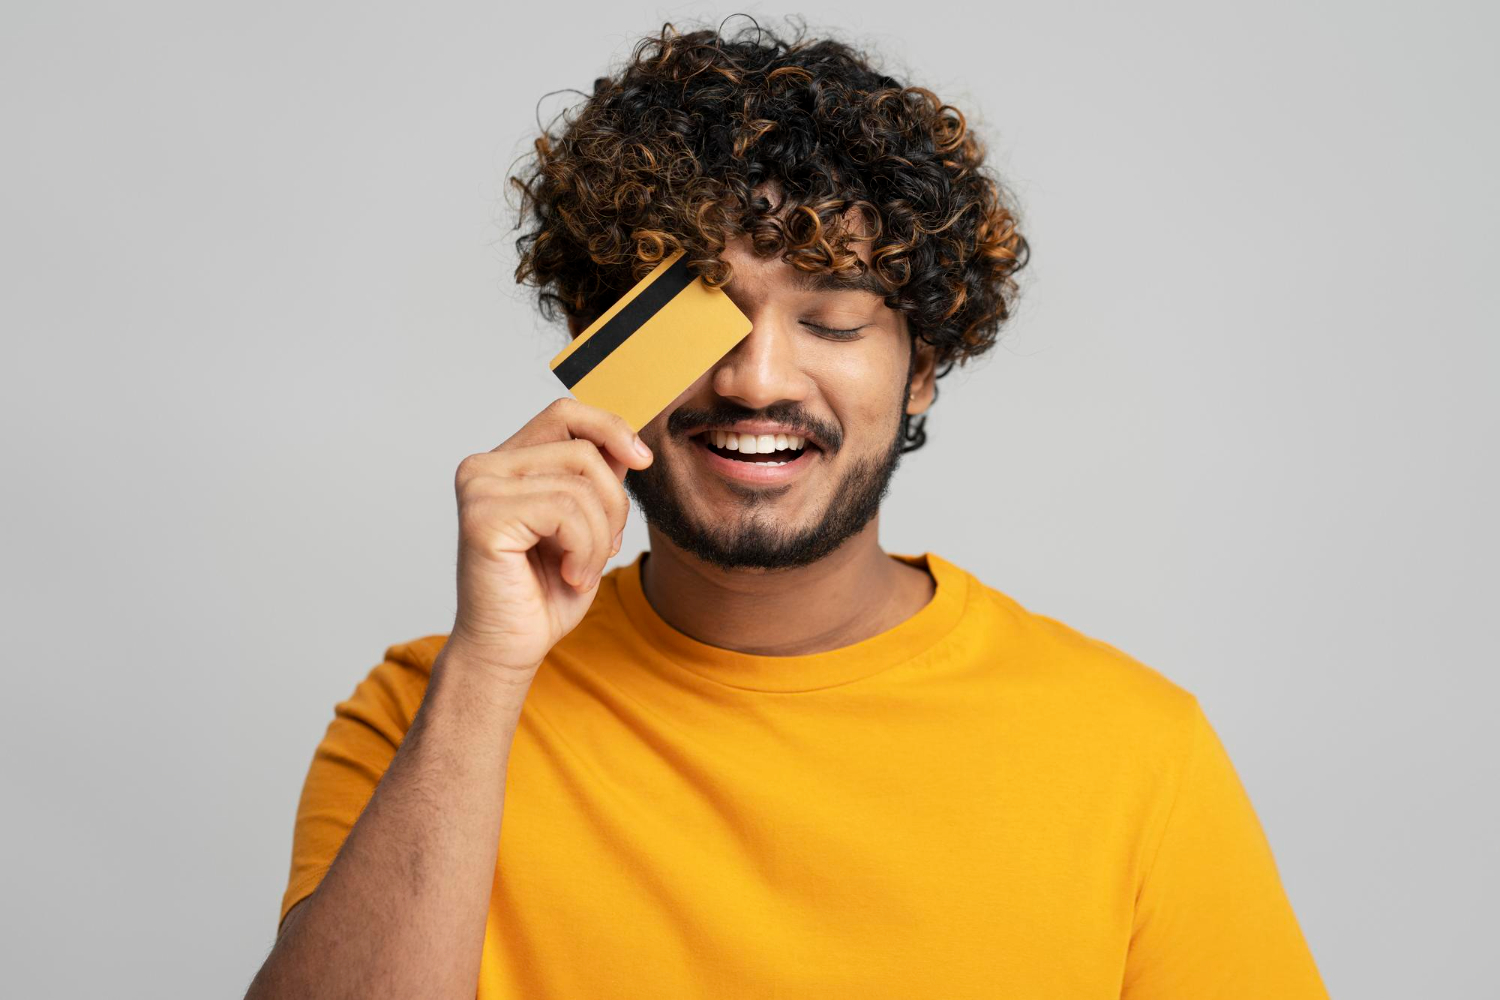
640, 447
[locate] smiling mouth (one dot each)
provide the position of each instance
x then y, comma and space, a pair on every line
751, 449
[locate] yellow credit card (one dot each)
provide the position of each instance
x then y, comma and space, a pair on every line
651, 344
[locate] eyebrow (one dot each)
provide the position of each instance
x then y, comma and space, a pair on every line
826, 281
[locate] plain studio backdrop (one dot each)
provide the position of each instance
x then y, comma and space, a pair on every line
258, 304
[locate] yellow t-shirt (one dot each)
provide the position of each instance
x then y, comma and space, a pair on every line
979, 802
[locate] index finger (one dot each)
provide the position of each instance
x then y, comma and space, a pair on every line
565, 418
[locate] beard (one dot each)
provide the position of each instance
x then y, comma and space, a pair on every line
745, 541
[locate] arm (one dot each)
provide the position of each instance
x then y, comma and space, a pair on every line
1212, 917
402, 909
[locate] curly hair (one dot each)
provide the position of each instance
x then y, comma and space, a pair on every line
667, 153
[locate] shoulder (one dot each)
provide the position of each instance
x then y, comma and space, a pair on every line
388, 696
402, 676
416, 656
1062, 670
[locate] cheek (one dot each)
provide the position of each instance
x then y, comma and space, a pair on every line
861, 387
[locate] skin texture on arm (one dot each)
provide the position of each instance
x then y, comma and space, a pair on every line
402, 909
291, 918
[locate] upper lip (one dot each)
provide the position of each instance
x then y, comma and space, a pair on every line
759, 427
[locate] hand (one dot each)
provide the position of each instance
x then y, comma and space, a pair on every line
538, 518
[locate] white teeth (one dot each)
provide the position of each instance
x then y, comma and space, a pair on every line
756, 444
768, 463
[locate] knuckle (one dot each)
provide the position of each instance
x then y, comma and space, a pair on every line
473, 519
591, 462
619, 504
488, 541
466, 470
473, 488
564, 499
585, 500
595, 464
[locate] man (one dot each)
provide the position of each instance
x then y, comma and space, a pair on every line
766, 758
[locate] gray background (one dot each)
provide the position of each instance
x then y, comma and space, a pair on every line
257, 306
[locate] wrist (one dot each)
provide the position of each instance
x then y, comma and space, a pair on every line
478, 680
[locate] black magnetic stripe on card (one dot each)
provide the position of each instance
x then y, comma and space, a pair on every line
625, 322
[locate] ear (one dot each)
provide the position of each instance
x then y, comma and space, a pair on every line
576, 325
923, 377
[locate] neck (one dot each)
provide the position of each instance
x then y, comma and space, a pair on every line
856, 592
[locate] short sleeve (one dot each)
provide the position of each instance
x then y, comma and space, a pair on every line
1212, 918
356, 749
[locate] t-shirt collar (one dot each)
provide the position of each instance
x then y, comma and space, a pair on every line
811, 671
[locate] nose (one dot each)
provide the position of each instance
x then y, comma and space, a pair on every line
762, 368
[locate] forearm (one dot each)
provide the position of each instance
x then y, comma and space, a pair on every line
402, 910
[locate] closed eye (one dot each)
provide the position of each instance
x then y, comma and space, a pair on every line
835, 334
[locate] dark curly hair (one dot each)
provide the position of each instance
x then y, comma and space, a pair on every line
665, 154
